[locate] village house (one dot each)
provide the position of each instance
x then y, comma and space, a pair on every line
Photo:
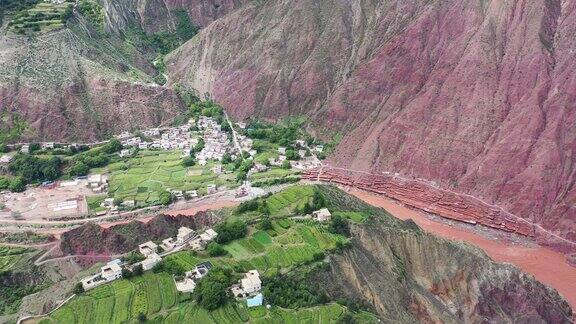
319, 148
192, 194
150, 261
143, 145
124, 153
300, 143
5, 159
199, 271
129, 203
302, 153
211, 189
187, 285
217, 169
110, 272
48, 145
321, 215
197, 244
25, 149
168, 244
248, 285
184, 234
147, 248
282, 150
241, 125
208, 235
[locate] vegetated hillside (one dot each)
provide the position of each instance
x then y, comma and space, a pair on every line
79, 84
91, 239
476, 96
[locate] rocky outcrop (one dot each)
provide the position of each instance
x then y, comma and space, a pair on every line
91, 239
75, 85
475, 96
408, 276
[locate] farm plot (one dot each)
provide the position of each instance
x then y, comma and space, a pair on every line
145, 176
238, 313
11, 258
120, 301
284, 202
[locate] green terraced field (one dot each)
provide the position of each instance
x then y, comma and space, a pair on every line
119, 301
235, 313
291, 246
151, 172
284, 202
11, 258
44, 17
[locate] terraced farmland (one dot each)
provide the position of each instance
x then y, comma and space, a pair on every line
145, 176
119, 301
284, 202
43, 17
289, 245
11, 258
236, 313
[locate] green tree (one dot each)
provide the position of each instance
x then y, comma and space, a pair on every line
212, 291
17, 184
4, 183
214, 249
188, 161
78, 288
113, 146
286, 165
339, 225
265, 223
165, 198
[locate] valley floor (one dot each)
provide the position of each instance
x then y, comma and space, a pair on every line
546, 265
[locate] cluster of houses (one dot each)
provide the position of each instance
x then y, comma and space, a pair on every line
216, 141
161, 139
184, 238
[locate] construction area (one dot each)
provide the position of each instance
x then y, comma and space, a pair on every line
63, 200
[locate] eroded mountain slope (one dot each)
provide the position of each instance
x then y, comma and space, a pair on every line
477, 96
409, 276
73, 84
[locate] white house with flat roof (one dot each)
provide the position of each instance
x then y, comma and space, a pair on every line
168, 244
321, 215
208, 235
150, 261
186, 285
5, 159
25, 149
184, 234
147, 248
111, 271
248, 285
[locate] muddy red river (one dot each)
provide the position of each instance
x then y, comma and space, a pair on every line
546, 265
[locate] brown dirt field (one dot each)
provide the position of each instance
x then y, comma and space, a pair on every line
547, 266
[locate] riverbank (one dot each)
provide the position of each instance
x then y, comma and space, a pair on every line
547, 266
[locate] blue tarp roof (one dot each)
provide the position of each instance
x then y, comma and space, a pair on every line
254, 301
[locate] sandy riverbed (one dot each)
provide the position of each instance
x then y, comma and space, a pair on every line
546, 265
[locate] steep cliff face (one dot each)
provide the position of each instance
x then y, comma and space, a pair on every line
477, 96
409, 276
75, 85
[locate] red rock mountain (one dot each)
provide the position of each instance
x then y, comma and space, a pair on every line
476, 96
